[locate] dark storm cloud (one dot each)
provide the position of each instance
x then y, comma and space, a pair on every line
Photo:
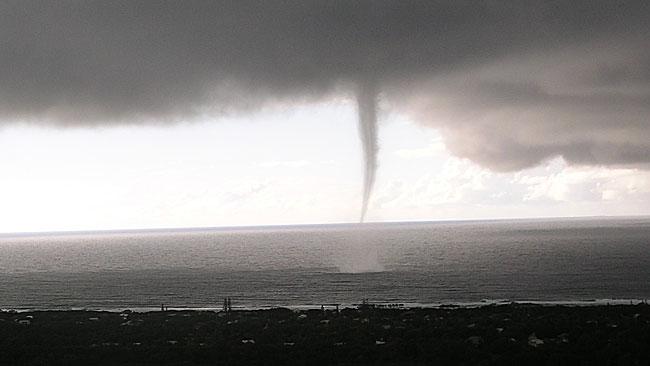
589, 103
509, 83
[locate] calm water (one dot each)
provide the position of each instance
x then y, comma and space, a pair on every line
291, 266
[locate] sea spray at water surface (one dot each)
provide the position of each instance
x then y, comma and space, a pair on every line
360, 254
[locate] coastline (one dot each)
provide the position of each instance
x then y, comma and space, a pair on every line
388, 305
523, 333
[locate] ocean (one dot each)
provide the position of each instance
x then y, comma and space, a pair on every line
428, 263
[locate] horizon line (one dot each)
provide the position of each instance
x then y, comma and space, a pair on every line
298, 225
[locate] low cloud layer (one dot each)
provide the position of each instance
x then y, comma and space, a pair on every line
589, 103
508, 83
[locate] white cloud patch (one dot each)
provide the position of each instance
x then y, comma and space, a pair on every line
244, 191
575, 184
294, 163
458, 181
285, 164
462, 189
436, 148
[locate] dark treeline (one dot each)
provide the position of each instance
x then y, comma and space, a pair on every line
490, 335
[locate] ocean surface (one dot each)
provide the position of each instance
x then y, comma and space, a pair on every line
562, 260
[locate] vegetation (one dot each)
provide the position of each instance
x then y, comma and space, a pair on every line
490, 335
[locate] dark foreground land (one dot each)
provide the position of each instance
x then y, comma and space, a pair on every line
490, 335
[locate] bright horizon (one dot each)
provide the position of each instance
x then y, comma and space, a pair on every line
282, 166
310, 225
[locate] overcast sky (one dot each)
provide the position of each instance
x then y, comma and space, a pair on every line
206, 113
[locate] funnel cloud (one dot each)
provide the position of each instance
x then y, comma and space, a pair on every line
367, 105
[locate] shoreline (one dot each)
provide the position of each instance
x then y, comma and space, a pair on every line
329, 306
525, 333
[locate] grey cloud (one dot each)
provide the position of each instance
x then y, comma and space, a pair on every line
494, 76
518, 111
